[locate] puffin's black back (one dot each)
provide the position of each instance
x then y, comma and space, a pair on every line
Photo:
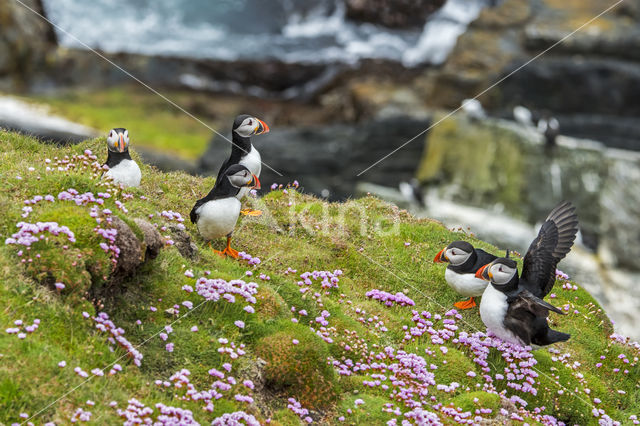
240, 146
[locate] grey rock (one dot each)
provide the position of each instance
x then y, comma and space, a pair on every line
184, 244
620, 215
153, 242
392, 13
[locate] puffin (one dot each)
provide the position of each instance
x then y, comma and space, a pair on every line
550, 128
512, 306
464, 261
473, 109
216, 214
122, 168
523, 116
244, 153
412, 192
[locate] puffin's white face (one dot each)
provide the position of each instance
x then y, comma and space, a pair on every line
241, 178
501, 274
118, 140
457, 256
251, 126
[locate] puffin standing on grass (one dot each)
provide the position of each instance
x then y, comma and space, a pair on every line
217, 213
512, 307
244, 153
464, 261
122, 168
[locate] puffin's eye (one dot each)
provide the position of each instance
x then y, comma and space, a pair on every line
250, 123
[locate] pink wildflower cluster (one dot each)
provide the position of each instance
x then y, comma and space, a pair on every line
235, 418
215, 289
518, 374
137, 413
30, 233
424, 324
80, 415
297, 409
234, 351
83, 161
223, 384
328, 280
21, 330
389, 298
172, 216
561, 275
250, 259
27, 209
104, 324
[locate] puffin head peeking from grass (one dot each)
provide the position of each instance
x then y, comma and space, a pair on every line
217, 213
464, 260
122, 168
243, 152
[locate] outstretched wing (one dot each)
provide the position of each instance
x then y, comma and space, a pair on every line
552, 244
526, 315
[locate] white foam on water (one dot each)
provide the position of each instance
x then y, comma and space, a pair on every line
319, 34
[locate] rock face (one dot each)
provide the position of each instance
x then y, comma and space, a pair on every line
328, 158
590, 79
497, 162
392, 13
26, 42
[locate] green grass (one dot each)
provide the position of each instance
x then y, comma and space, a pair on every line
136, 110
364, 238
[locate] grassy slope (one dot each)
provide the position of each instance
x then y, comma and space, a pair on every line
303, 236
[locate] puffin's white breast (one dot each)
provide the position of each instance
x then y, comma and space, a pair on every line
493, 308
253, 162
126, 172
217, 218
465, 284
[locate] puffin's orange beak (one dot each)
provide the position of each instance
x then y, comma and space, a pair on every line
121, 144
256, 182
439, 257
484, 273
262, 128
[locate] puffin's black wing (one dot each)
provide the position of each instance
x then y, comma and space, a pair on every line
552, 244
193, 215
527, 316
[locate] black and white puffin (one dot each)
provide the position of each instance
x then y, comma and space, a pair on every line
217, 213
550, 128
243, 152
464, 261
122, 168
512, 306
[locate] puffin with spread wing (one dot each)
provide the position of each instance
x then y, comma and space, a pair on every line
512, 306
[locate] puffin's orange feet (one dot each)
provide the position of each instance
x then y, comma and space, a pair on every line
251, 212
467, 304
228, 251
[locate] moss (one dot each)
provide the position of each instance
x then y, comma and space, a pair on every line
369, 413
467, 401
301, 369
